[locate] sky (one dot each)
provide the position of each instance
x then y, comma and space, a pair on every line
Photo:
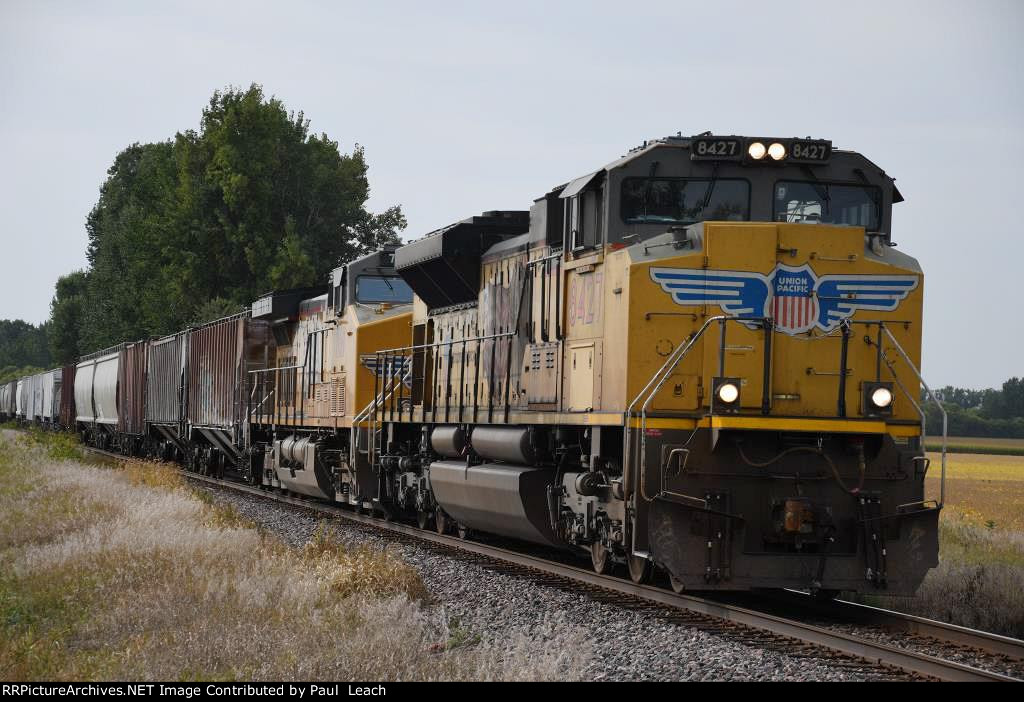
470, 106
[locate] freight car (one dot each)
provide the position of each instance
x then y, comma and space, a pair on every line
34, 398
21, 398
96, 398
220, 356
109, 398
165, 397
8, 400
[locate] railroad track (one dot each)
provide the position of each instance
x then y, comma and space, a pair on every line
794, 636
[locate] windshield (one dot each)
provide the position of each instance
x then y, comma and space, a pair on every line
827, 203
372, 288
679, 201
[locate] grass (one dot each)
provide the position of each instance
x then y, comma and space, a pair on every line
980, 578
125, 573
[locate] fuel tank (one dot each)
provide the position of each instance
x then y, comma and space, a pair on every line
501, 499
294, 461
449, 441
510, 444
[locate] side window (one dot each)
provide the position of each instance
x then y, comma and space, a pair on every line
574, 217
584, 220
339, 296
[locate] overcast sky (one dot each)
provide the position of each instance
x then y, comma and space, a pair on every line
465, 107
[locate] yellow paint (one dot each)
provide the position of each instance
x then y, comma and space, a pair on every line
787, 424
804, 374
619, 326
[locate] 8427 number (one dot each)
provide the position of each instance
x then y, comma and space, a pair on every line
716, 148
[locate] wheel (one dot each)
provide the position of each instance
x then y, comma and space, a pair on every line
440, 521
423, 519
600, 558
676, 583
639, 569
463, 531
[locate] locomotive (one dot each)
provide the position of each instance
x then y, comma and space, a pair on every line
701, 359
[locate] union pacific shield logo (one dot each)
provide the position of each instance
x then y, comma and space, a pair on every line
793, 296
794, 306
395, 365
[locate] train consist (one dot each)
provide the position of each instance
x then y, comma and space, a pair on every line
700, 359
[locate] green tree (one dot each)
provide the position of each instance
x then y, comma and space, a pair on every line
211, 310
23, 344
131, 251
1012, 398
66, 311
249, 202
293, 267
963, 398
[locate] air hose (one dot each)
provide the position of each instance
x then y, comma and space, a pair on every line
818, 452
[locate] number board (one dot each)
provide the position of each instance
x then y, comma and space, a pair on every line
716, 149
810, 151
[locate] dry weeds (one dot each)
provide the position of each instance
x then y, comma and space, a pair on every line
126, 574
980, 578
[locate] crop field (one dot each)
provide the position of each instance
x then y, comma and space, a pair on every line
977, 444
980, 578
126, 573
982, 489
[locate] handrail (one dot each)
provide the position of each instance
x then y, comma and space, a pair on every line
659, 377
647, 394
378, 400
627, 442
450, 342
931, 395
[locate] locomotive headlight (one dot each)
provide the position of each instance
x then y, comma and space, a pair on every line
725, 395
728, 393
881, 397
878, 399
777, 151
757, 151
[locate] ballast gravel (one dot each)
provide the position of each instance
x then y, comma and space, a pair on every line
626, 644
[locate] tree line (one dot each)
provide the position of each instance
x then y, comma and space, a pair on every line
988, 413
196, 227
24, 349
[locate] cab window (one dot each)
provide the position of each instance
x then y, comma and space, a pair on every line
827, 203
684, 201
375, 288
